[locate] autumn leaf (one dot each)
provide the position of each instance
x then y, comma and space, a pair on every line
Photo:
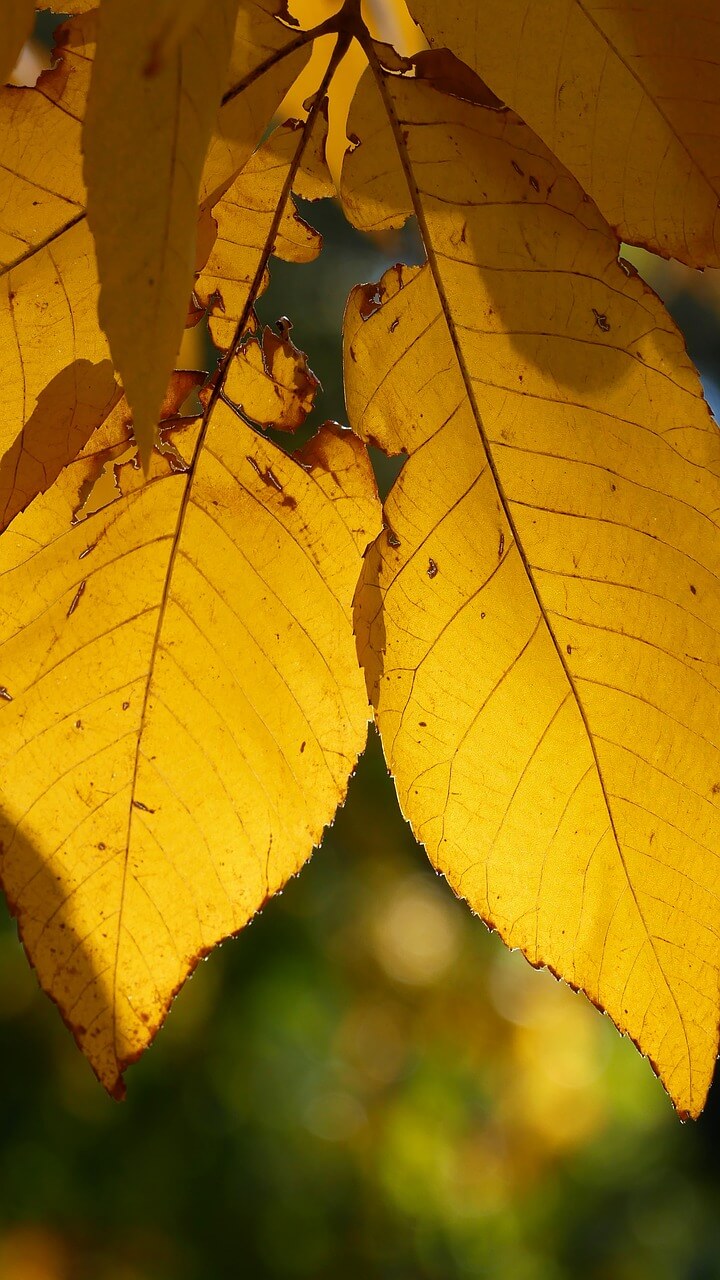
186, 709
626, 95
142, 168
169, 24
243, 219
266, 59
204, 703
180, 685
58, 379
274, 386
538, 620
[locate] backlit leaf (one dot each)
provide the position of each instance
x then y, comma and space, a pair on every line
58, 380
170, 21
244, 218
186, 708
266, 58
58, 377
142, 166
627, 96
538, 620
271, 382
181, 697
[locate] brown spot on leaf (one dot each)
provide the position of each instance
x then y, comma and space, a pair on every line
76, 599
267, 476
628, 267
371, 302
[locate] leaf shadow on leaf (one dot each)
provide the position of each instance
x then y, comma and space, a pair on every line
369, 616
68, 410
43, 897
568, 343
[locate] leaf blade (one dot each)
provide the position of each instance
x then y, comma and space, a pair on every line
59, 383
142, 169
489, 705
617, 93
203, 710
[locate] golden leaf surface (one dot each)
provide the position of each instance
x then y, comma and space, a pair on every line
183, 706
538, 620
244, 219
142, 168
58, 380
170, 21
68, 6
271, 383
627, 96
266, 58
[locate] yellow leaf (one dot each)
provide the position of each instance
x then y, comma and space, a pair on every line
271, 383
68, 6
626, 95
257, 202
265, 60
58, 377
42, 186
183, 707
58, 380
170, 22
142, 167
16, 24
538, 620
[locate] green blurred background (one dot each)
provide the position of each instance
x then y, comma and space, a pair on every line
364, 1083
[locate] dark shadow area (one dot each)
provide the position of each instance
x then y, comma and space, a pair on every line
322, 289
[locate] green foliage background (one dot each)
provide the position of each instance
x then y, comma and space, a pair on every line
364, 1083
